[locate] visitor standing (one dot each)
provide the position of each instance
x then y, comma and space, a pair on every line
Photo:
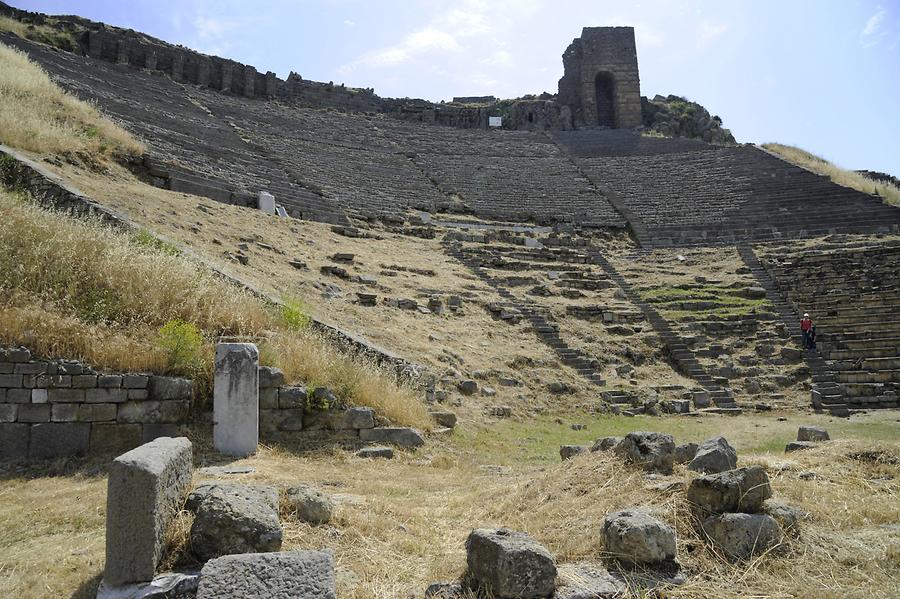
806, 326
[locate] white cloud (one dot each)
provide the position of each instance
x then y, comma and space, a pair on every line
349, 23
500, 58
874, 23
212, 35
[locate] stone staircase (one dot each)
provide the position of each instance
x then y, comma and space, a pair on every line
681, 354
827, 393
545, 330
853, 296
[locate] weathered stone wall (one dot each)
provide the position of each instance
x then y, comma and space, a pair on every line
602, 51
51, 408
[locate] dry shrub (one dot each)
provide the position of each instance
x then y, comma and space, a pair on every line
841, 176
36, 115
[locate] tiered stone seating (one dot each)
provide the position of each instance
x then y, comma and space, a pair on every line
684, 192
853, 296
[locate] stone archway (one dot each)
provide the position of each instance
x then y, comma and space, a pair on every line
605, 94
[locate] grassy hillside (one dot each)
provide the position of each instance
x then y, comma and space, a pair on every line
36, 115
841, 176
78, 289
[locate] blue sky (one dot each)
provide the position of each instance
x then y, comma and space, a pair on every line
821, 75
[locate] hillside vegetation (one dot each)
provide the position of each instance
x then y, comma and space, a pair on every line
36, 115
841, 176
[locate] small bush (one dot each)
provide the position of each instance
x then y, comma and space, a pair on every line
294, 315
146, 239
184, 343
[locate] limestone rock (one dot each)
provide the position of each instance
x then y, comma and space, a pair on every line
375, 452
510, 564
787, 516
232, 518
287, 575
570, 451
309, 504
714, 455
798, 445
588, 581
467, 387
445, 419
636, 537
401, 437
685, 452
741, 536
654, 452
605, 443
740, 490
812, 433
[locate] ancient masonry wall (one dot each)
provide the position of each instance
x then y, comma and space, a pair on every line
52, 409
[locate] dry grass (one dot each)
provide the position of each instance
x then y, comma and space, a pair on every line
841, 176
403, 523
78, 289
36, 115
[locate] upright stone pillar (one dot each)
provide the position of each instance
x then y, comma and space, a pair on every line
203, 72
150, 61
236, 399
271, 84
266, 202
249, 81
226, 77
123, 52
95, 44
178, 67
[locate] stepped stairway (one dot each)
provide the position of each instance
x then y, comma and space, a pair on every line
853, 296
545, 330
826, 391
684, 358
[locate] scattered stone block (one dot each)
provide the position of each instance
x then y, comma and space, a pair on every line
654, 452
236, 399
500, 411
812, 433
588, 581
467, 387
787, 516
685, 452
445, 419
284, 575
635, 537
399, 436
145, 490
798, 445
714, 455
233, 518
309, 505
375, 452
605, 443
741, 536
510, 564
570, 451
739, 490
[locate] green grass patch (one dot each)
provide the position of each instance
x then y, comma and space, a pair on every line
726, 300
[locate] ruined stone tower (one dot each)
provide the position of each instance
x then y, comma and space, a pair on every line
600, 81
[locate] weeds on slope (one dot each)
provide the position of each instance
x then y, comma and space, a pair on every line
847, 178
37, 116
79, 289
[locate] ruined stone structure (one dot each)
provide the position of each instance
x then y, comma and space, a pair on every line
601, 85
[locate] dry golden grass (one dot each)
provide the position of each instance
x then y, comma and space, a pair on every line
36, 115
81, 290
402, 524
847, 178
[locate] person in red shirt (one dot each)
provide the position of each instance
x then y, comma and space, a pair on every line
806, 325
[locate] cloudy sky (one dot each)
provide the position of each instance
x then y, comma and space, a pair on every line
822, 75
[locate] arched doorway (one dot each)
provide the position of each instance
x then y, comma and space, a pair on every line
605, 89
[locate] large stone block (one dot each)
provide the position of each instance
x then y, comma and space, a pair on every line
167, 388
236, 399
14, 441
636, 537
146, 488
59, 439
286, 575
154, 412
401, 437
812, 433
741, 536
35, 412
740, 490
714, 455
234, 518
654, 452
509, 564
